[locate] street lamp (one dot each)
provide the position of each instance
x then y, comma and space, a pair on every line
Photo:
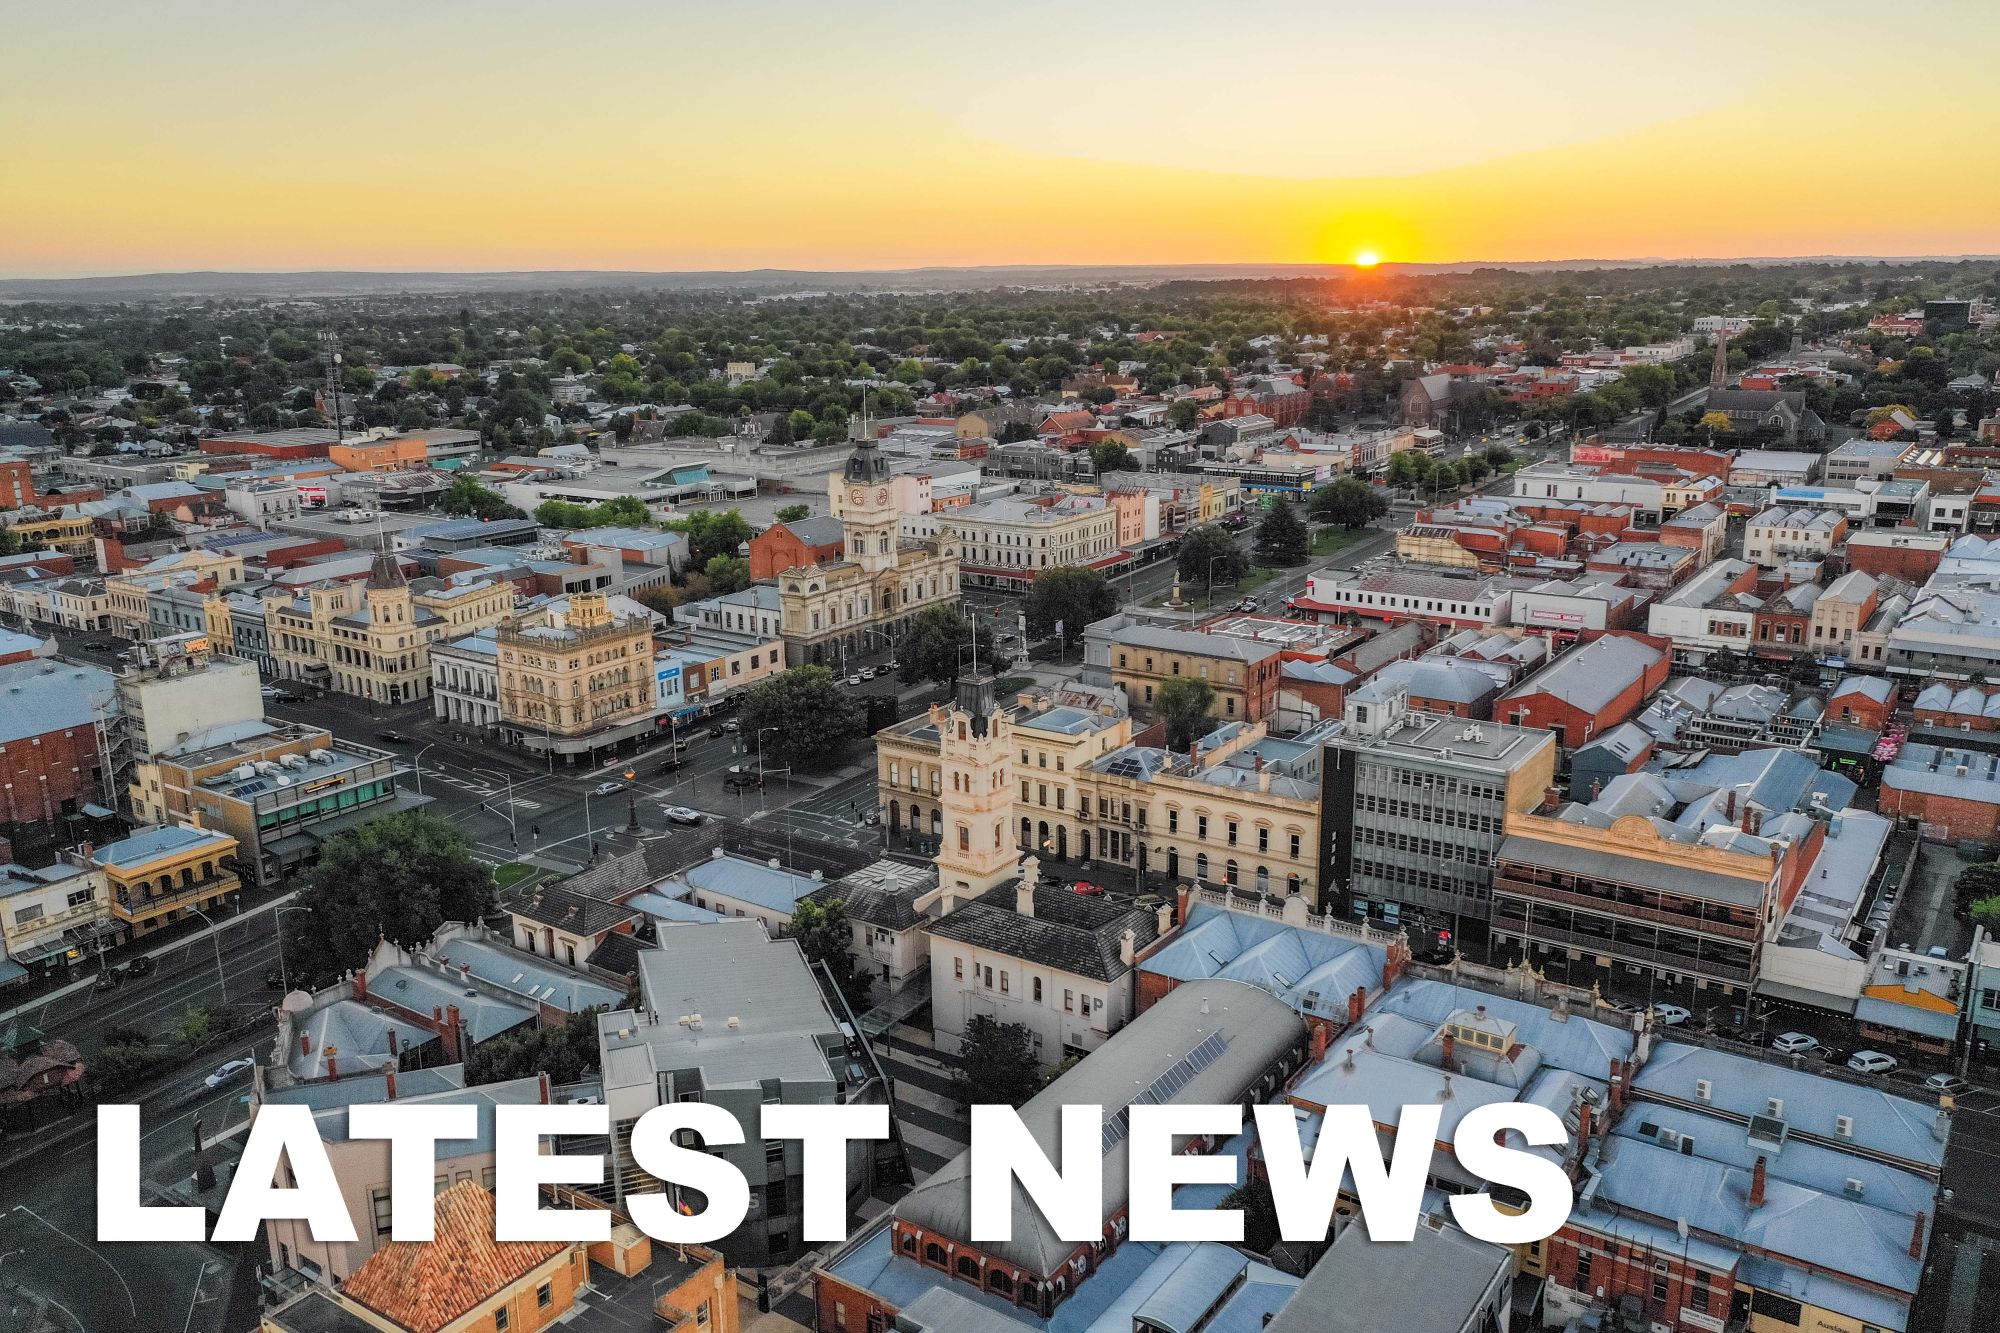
215, 938
419, 763
278, 927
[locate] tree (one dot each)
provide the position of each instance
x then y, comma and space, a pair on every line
793, 513
811, 717
1184, 704
825, 936
1282, 538
1716, 423
997, 1064
726, 574
711, 533
1410, 468
1182, 413
1350, 502
1069, 595
1976, 883
397, 877
467, 498
1260, 1214
1986, 912
936, 646
1111, 456
10, 542
1210, 557
566, 1052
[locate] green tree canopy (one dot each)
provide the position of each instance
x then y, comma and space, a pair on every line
1350, 502
1210, 556
1112, 456
726, 574
468, 499
1071, 594
711, 532
1186, 704
826, 936
811, 716
1282, 538
566, 1052
793, 513
997, 1064
397, 877
936, 648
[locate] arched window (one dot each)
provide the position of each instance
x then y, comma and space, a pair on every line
1000, 1282
1229, 874
968, 1267
909, 1243
1201, 865
1263, 879
934, 1253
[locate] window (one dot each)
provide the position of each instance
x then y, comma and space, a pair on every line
1037, 986
1295, 846
1201, 827
378, 1203
1003, 982
958, 969
1069, 1001
500, 1320
1263, 840
1583, 1271
545, 1296
1173, 821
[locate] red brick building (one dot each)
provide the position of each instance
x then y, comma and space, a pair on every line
17, 485
795, 545
1955, 793
1865, 701
51, 765
1590, 689
1910, 556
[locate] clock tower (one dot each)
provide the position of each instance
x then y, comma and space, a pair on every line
976, 752
865, 499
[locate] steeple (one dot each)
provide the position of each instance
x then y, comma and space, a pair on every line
1718, 374
386, 572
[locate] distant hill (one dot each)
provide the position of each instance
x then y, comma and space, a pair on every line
772, 281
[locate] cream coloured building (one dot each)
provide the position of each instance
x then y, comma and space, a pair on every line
867, 599
1005, 543
572, 687
373, 639
127, 595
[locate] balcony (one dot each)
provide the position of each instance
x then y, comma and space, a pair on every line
143, 906
1619, 951
1621, 906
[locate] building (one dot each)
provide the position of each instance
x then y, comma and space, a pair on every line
1424, 801
1865, 457
1209, 1041
1588, 690
1566, 610
733, 1018
280, 790
465, 680
1947, 794
372, 639
161, 875
56, 751
794, 545
1683, 875
1005, 543
1715, 611
867, 598
576, 687
1780, 535
1243, 673
1394, 594
1776, 414
52, 918
1441, 1281
179, 692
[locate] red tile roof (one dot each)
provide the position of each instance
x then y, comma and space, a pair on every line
424, 1286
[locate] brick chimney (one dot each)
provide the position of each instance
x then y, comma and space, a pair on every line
1583, 1115
361, 985
1617, 1081
1729, 804
391, 1082
1357, 1000
1449, 1047
451, 1035
1917, 1236
543, 1083
1757, 1183
305, 1043
1185, 894
332, 1062
1319, 1036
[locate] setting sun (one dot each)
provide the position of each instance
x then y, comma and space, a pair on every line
1367, 259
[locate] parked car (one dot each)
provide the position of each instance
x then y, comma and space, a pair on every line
1947, 1085
854, 678
1794, 1043
108, 979
1672, 1015
607, 789
141, 966
867, 673
892, 665
229, 1073
393, 737
1871, 1062
732, 726
1087, 889
680, 814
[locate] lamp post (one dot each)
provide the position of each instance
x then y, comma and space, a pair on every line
215, 938
278, 927
418, 763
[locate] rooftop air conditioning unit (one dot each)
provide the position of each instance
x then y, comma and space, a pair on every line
1843, 1125
1703, 1090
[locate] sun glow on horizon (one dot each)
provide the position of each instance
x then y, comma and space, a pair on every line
1367, 259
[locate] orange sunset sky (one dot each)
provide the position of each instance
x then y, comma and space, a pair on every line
652, 134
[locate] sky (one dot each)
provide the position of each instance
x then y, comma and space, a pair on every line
731, 134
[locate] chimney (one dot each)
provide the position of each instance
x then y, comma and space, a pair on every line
1450, 1049
1357, 1000
451, 1035
1583, 1115
395, 1050
1024, 896
390, 1072
1257, 763
305, 1043
1164, 919
543, 1083
1186, 896
1745, 825
1551, 798
1319, 1035
1757, 1183
1917, 1236
1617, 1081
1596, 789
332, 1063
1729, 804
361, 986
1194, 752
1128, 946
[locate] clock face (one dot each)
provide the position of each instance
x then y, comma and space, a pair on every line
858, 496
882, 497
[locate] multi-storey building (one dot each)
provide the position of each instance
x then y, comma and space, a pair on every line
373, 639
465, 680
161, 875
56, 755
574, 687
1005, 543
1425, 801
1243, 673
52, 918
867, 599
1780, 535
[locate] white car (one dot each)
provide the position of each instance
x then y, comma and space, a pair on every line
854, 679
867, 673
1794, 1043
1672, 1015
1947, 1085
229, 1073
607, 789
1871, 1062
680, 814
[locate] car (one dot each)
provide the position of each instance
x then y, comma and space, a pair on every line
229, 1073
607, 789
287, 697
1794, 1043
854, 679
739, 777
269, 691
892, 665
717, 732
99, 645
680, 814
109, 979
393, 737
1671, 1015
673, 763
274, 979
1086, 889
1947, 1085
142, 966
867, 673
1871, 1062
732, 726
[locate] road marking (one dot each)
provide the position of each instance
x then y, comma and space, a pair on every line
129, 1301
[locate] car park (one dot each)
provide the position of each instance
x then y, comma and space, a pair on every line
1671, 1015
228, 1073
1871, 1062
681, 814
1947, 1085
